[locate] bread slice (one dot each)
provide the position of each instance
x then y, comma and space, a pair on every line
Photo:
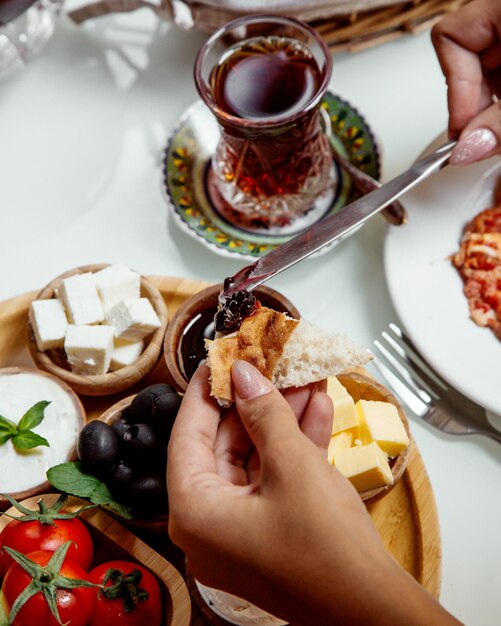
291, 353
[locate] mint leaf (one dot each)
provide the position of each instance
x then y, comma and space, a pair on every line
27, 439
33, 416
4, 437
7, 426
68, 477
22, 435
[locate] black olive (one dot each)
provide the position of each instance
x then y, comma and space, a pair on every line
164, 414
141, 407
140, 445
119, 427
118, 481
97, 448
148, 496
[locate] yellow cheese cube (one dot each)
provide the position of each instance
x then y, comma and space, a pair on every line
338, 442
345, 415
380, 422
365, 466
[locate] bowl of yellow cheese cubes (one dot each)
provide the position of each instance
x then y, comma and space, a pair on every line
370, 440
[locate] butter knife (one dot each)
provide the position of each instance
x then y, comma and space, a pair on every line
333, 227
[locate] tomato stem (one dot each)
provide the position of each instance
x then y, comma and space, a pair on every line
45, 514
45, 579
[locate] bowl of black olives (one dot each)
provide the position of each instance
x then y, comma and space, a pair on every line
126, 448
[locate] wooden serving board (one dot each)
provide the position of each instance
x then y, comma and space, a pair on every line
406, 518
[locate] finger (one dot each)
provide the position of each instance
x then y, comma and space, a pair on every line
317, 420
460, 50
233, 448
298, 398
192, 441
480, 139
264, 412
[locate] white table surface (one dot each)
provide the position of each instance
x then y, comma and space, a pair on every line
81, 135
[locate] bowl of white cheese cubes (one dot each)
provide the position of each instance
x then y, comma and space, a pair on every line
371, 441
100, 328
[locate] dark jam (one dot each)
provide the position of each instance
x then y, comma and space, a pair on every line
233, 310
10, 9
192, 348
265, 77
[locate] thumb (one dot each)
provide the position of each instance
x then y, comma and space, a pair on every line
480, 139
264, 412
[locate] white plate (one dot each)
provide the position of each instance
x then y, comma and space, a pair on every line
427, 291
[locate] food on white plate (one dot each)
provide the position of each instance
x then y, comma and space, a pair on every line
366, 435
98, 318
478, 260
290, 352
24, 468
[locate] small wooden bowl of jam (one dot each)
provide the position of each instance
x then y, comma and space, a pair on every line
193, 322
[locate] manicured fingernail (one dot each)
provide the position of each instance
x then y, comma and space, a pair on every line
474, 146
249, 382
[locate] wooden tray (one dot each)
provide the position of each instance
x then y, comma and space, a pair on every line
406, 518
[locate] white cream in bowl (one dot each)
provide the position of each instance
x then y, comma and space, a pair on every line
20, 390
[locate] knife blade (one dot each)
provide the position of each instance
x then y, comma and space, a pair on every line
333, 227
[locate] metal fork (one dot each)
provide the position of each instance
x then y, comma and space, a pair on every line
424, 392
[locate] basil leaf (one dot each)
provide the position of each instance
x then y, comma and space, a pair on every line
27, 439
33, 416
4, 437
7, 426
68, 477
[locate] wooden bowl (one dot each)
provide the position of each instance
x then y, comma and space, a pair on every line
44, 485
55, 361
205, 302
362, 387
113, 541
156, 525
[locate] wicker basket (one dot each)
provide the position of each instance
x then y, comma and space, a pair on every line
345, 24
359, 30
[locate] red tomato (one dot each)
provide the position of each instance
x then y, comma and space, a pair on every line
75, 606
147, 612
32, 535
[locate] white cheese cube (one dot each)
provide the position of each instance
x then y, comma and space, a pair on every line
133, 319
116, 283
81, 300
125, 353
49, 323
89, 348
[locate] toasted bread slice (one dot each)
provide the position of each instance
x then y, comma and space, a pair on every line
291, 353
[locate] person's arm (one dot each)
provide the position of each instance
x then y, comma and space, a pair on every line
261, 514
468, 46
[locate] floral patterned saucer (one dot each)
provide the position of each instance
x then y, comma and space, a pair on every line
185, 163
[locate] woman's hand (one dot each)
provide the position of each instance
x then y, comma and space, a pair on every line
260, 513
468, 46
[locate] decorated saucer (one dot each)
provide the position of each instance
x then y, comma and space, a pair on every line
185, 164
